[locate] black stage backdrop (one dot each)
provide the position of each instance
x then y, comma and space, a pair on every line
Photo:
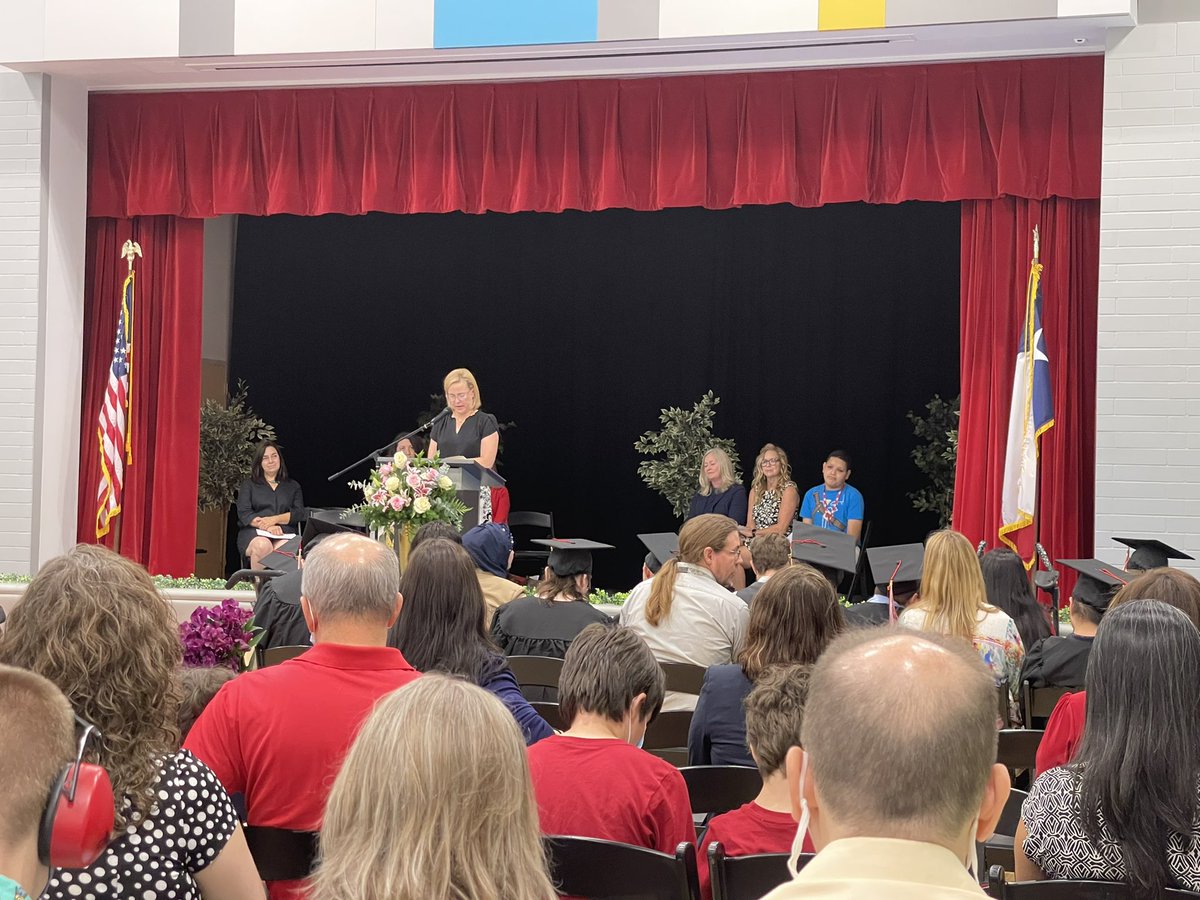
817, 328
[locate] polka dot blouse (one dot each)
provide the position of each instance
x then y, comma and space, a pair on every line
156, 857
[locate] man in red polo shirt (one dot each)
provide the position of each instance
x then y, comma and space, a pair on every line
279, 734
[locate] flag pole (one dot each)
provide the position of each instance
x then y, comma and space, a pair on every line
129, 250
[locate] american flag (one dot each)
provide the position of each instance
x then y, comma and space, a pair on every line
113, 430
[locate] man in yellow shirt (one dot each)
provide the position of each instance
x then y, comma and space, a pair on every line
897, 778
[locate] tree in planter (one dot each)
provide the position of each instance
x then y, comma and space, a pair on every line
229, 435
685, 436
936, 456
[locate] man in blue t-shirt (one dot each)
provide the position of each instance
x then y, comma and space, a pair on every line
835, 504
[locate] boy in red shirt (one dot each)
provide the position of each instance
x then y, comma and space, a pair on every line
774, 714
593, 781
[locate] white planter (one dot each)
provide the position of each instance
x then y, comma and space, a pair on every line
182, 600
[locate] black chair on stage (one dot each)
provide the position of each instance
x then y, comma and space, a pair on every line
1038, 703
998, 849
530, 559
713, 790
538, 673
667, 736
747, 877
280, 854
588, 867
1068, 889
683, 677
273, 656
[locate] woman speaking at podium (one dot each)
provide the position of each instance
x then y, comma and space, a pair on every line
468, 430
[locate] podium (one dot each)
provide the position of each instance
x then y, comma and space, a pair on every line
469, 477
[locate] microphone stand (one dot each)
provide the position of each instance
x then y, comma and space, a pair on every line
387, 448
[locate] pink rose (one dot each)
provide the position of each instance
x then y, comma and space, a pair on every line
430, 475
397, 503
385, 470
413, 480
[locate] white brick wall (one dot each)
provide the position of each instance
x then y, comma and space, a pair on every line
20, 249
1148, 392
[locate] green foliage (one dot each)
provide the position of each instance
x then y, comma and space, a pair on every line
935, 455
191, 582
228, 437
685, 435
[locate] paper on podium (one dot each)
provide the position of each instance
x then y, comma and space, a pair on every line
275, 537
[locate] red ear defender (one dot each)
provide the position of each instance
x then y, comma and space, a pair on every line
78, 821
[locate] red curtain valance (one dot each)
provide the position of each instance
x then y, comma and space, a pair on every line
955, 131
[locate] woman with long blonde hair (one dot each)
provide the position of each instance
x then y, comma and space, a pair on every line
774, 497
434, 802
93, 623
686, 613
953, 600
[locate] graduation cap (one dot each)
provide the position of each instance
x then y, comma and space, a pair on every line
317, 528
570, 556
823, 548
899, 563
1097, 582
1149, 553
662, 546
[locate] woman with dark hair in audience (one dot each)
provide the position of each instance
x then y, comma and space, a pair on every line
441, 629
1008, 589
1065, 727
792, 620
267, 501
93, 623
433, 802
1127, 808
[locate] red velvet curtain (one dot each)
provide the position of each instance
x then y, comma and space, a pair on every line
157, 525
996, 251
1027, 128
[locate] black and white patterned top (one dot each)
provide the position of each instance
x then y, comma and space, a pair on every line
156, 857
1058, 845
766, 508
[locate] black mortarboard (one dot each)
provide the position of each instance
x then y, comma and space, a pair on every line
1149, 553
1097, 582
662, 546
823, 548
318, 527
570, 556
883, 560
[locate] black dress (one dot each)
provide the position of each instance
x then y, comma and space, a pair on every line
278, 613
468, 440
531, 626
255, 498
1057, 662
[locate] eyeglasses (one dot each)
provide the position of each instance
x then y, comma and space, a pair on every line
736, 551
456, 397
770, 462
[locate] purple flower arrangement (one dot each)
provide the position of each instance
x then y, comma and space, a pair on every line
219, 636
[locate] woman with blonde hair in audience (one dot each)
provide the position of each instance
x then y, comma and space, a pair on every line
686, 613
434, 802
793, 619
774, 497
952, 600
93, 623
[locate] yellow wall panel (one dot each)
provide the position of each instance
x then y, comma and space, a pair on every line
834, 15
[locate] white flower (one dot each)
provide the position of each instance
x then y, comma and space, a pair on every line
445, 483
421, 505
400, 459
392, 484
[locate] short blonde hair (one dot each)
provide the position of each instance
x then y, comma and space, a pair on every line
434, 800
465, 376
724, 463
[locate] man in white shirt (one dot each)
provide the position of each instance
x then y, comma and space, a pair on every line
897, 777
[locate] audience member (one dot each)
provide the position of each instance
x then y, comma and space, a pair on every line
432, 531
791, 622
267, 501
768, 554
441, 629
36, 744
1126, 809
774, 498
774, 714
93, 623
197, 687
719, 492
490, 547
593, 780
433, 801
279, 734
660, 547
834, 504
1065, 727
1008, 588
897, 572
685, 614
546, 624
896, 775
952, 600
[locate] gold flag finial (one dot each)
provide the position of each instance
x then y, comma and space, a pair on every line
130, 249
1037, 243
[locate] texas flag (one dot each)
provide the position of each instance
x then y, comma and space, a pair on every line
1031, 414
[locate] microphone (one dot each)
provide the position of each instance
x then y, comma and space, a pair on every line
445, 412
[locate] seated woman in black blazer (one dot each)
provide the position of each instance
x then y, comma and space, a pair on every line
267, 501
792, 620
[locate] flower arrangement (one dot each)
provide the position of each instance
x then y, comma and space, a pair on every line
409, 492
220, 635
